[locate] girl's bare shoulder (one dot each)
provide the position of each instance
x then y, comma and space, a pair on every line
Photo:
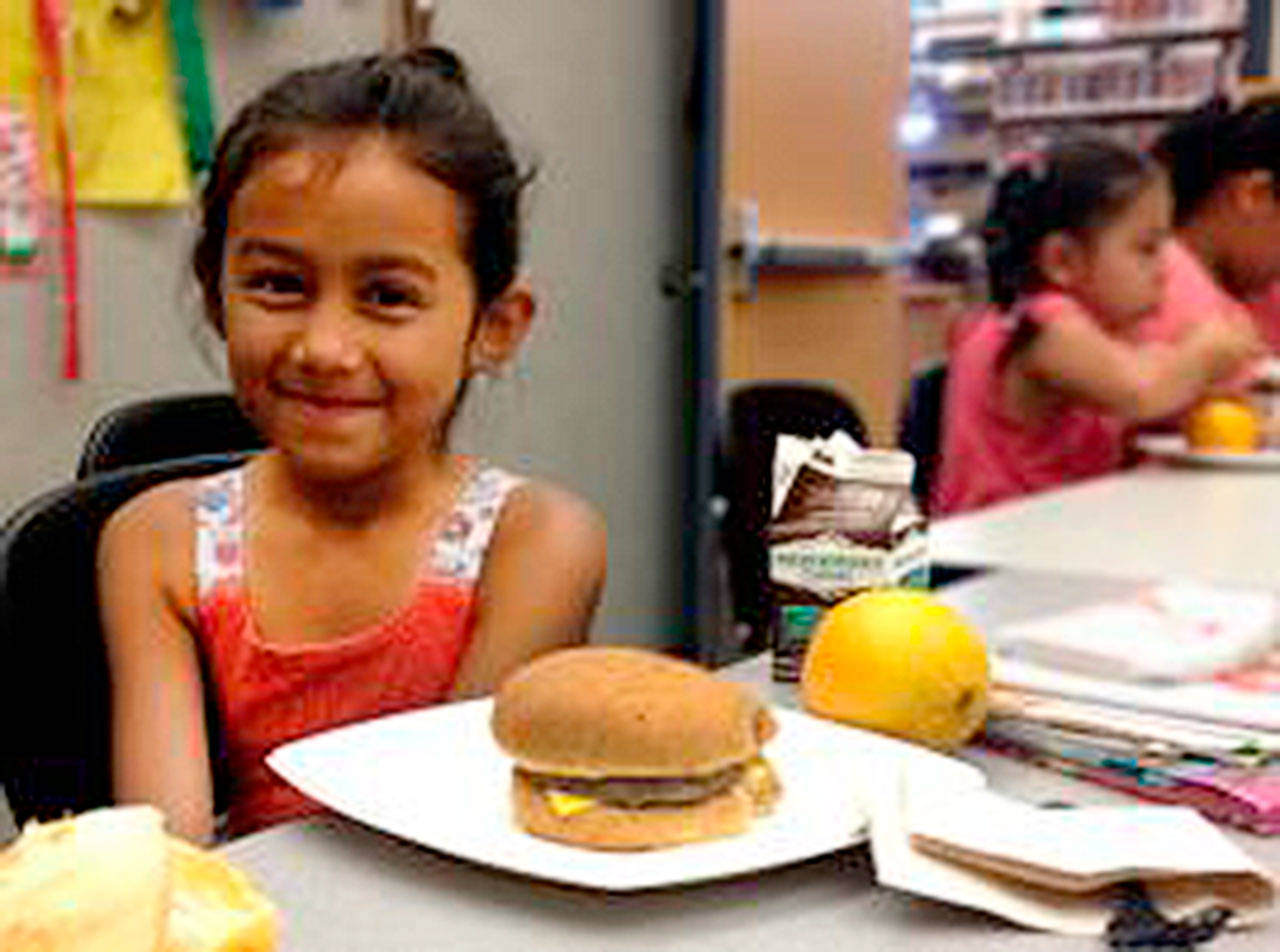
537, 508
549, 524
161, 512
154, 532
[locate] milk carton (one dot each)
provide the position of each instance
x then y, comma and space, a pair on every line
843, 521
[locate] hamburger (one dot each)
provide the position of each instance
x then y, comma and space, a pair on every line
625, 749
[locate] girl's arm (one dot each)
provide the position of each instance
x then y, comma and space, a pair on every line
539, 587
1073, 355
159, 747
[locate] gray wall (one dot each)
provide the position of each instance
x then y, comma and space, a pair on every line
591, 92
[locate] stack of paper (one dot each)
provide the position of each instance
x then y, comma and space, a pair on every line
1171, 695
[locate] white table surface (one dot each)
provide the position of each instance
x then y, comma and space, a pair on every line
340, 886
1212, 525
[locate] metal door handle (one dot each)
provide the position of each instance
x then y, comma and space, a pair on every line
750, 254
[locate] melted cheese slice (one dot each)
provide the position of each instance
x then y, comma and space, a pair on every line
568, 804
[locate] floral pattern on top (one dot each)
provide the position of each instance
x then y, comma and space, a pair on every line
457, 551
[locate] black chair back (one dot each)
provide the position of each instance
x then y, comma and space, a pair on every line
54, 686
757, 415
920, 431
165, 428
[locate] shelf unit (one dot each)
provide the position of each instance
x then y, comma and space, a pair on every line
1005, 76
1156, 37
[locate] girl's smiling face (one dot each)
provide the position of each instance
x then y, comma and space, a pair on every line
349, 305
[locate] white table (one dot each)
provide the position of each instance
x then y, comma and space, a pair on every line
1212, 525
342, 887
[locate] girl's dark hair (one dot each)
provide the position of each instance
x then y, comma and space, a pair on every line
1215, 141
423, 99
1076, 185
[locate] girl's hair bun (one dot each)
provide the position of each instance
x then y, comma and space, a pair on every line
436, 59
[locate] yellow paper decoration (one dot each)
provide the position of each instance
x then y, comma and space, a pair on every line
125, 129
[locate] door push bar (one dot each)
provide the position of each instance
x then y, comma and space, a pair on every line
750, 254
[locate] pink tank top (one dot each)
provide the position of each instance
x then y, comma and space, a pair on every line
270, 694
987, 454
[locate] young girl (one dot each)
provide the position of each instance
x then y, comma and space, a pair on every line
1225, 167
357, 254
1042, 392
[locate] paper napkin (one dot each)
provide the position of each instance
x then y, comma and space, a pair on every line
1052, 869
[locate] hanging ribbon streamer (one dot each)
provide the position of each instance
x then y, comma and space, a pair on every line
193, 73
50, 19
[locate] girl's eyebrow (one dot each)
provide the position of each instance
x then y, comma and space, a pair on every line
391, 262
265, 246
374, 262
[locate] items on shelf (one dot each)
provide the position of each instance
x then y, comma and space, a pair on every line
1002, 76
1144, 17
1108, 83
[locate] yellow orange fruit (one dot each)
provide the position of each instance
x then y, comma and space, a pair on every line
1223, 425
901, 662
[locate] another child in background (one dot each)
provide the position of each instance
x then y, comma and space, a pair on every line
1224, 164
357, 253
1042, 391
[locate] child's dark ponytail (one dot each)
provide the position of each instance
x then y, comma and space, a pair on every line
1076, 185
1206, 146
1008, 231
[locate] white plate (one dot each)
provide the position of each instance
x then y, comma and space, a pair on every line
436, 777
1173, 448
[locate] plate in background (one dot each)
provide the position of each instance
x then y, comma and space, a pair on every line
1173, 448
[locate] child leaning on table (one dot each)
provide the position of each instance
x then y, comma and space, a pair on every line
357, 254
1224, 163
1041, 390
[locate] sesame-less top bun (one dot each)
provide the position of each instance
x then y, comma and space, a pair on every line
625, 712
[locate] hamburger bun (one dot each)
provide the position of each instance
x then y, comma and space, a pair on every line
111, 880
625, 712
95, 883
624, 749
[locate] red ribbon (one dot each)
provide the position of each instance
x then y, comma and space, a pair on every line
50, 20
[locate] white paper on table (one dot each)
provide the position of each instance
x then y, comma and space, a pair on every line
1187, 864
1204, 700
1035, 718
1171, 632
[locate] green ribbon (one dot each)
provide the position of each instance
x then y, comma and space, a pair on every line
197, 102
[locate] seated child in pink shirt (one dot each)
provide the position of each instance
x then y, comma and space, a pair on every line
1224, 165
1042, 390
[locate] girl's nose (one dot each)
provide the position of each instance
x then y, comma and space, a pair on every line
326, 342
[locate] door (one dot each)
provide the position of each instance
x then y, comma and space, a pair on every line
812, 92
793, 109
